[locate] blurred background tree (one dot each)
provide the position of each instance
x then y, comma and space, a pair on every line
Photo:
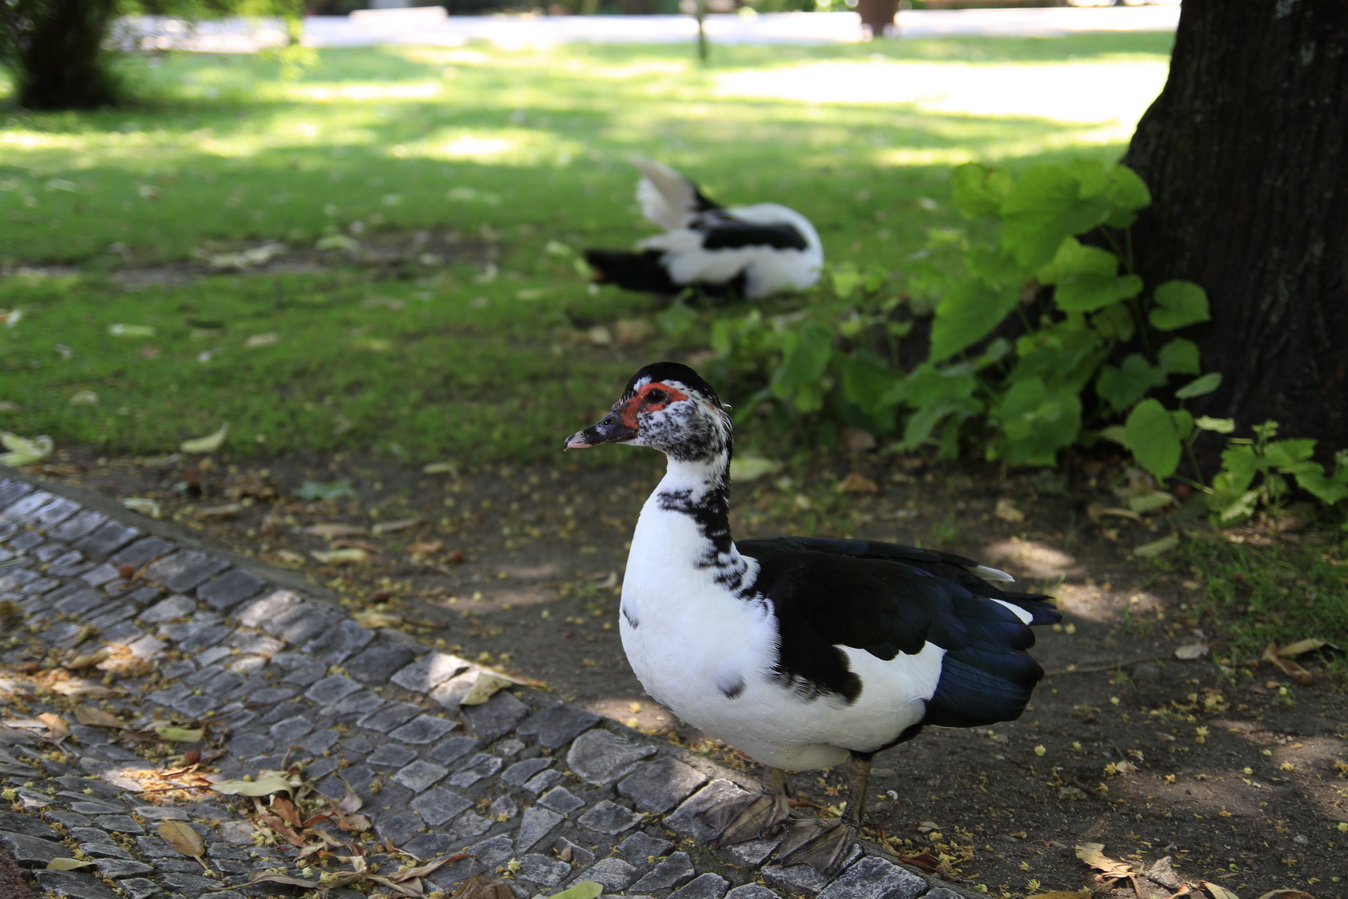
63, 55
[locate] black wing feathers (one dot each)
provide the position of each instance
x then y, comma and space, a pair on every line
888, 599
723, 231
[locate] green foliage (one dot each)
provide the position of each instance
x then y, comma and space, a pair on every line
1041, 339
1258, 473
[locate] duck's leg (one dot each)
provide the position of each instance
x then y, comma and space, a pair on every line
824, 843
741, 820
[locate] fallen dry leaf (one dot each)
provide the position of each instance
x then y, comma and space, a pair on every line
1301, 647
390, 527
1093, 854
96, 717
1008, 511
1287, 894
57, 728
1191, 651
479, 887
1218, 891
1287, 666
184, 840
485, 687
857, 483
333, 529
67, 864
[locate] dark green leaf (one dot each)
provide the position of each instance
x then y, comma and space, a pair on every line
1200, 386
1180, 357
1048, 205
968, 314
1037, 421
1179, 304
1124, 385
978, 192
1152, 437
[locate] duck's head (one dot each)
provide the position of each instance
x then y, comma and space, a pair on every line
666, 406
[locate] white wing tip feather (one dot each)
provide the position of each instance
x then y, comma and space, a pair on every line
993, 574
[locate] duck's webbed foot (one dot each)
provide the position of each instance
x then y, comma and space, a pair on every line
741, 820
821, 843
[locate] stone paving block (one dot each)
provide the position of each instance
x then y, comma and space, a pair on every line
795, 878
601, 757
669, 872
558, 724
11, 490
438, 805
479, 766
704, 886
543, 871
13, 822
31, 851
141, 551
101, 575
642, 849
560, 799
429, 671
535, 824
266, 609
389, 716
185, 570
53, 513
452, 749
614, 873
423, 729
391, 755
659, 785
399, 827
609, 818
82, 523
24, 510
73, 884
752, 891
178, 606
230, 588
106, 539
331, 689
357, 705
420, 775
338, 643
379, 661
26, 540
875, 878
518, 773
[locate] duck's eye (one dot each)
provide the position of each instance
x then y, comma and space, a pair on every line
656, 396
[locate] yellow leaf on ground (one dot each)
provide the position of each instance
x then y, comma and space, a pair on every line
208, 444
1218, 891
269, 782
349, 556
1093, 854
67, 864
57, 727
1008, 511
182, 838
484, 688
96, 717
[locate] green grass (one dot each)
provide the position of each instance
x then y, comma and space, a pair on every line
1275, 592
479, 358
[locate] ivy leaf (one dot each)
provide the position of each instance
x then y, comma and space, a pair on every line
1038, 421
1151, 435
1048, 205
797, 378
968, 314
978, 192
1127, 383
1179, 357
1200, 386
1178, 304
1129, 193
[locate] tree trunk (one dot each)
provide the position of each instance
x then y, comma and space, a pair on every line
1246, 155
60, 61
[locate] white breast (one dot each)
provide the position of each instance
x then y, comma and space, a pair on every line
709, 656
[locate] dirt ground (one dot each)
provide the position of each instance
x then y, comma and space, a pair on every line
1180, 768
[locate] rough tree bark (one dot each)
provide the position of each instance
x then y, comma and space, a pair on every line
1246, 155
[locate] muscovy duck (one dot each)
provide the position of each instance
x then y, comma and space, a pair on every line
801, 652
737, 252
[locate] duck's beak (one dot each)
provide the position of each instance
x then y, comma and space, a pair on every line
615, 428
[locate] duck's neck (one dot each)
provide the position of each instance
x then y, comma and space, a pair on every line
700, 490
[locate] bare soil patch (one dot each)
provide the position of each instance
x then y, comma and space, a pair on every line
1179, 768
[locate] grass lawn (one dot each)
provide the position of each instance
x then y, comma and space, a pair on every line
137, 317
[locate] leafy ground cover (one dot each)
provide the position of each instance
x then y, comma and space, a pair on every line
368, 274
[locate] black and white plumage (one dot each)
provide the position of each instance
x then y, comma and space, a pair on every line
800, 652
735, 252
